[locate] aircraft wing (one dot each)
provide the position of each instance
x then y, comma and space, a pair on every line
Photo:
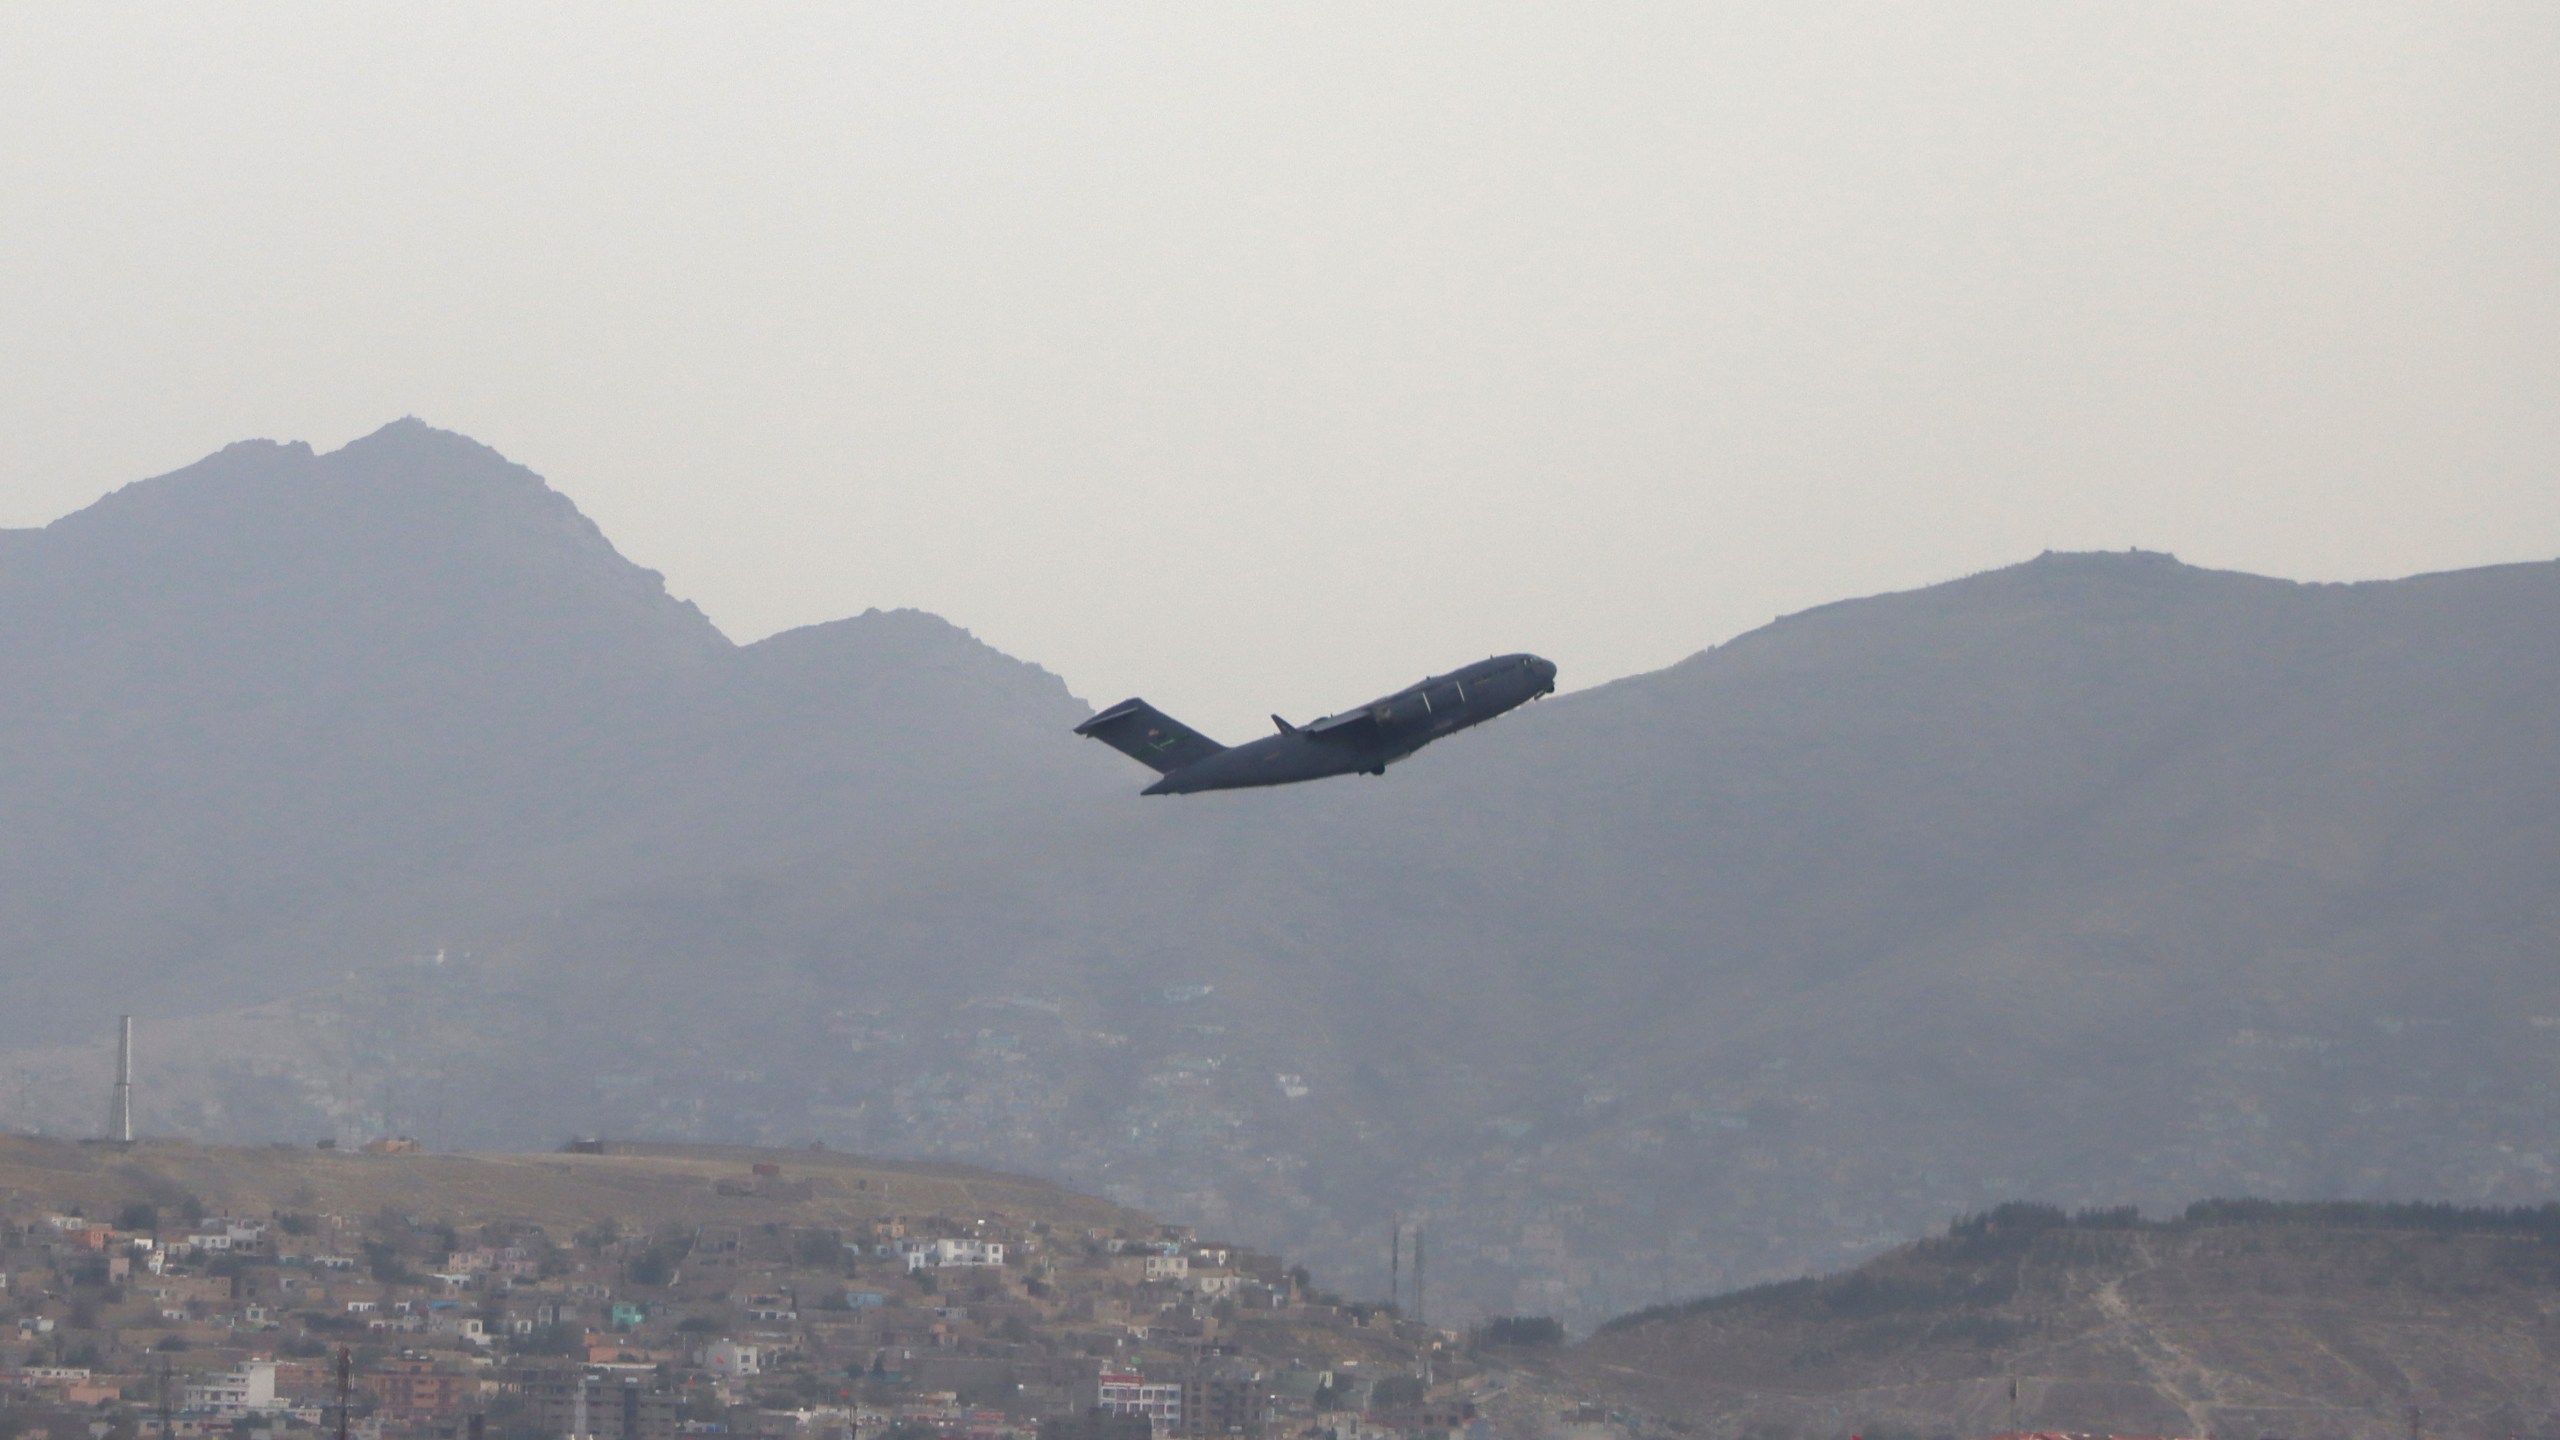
1351, 727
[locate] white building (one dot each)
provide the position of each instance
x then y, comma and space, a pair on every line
1123, 1393
729, 1360
249, 1390
467, 1328
943, 1254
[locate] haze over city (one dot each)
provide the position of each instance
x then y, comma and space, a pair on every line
1977, 858
1259, 360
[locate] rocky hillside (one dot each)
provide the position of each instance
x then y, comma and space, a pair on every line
280, 713
2238, 1319
2094, 878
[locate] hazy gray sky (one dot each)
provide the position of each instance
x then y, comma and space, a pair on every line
1263, 359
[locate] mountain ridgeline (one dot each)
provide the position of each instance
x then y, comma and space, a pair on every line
278, 711
393, 799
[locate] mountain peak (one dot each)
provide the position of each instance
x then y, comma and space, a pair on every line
413, 438
2131, 557
265, 481
409, 530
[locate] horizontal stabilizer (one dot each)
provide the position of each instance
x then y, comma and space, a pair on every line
1149, 736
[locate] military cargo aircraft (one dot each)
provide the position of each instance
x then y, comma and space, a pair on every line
1356, 742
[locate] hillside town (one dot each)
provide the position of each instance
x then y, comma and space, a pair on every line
165, 1322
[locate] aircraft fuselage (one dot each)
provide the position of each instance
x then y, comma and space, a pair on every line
1362, 741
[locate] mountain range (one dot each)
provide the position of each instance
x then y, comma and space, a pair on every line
393, 799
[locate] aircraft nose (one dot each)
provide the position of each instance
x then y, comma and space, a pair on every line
1545, 670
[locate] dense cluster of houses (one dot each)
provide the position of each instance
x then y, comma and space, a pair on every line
165, 1323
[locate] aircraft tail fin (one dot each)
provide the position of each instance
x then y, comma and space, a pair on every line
1149, 736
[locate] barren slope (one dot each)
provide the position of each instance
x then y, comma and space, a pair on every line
2296, 1329
640, 1186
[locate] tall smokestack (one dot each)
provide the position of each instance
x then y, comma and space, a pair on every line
120, 1109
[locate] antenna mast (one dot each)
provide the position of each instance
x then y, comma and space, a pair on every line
1395, 1264
1421, 1312
120, 1108
346, 1373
